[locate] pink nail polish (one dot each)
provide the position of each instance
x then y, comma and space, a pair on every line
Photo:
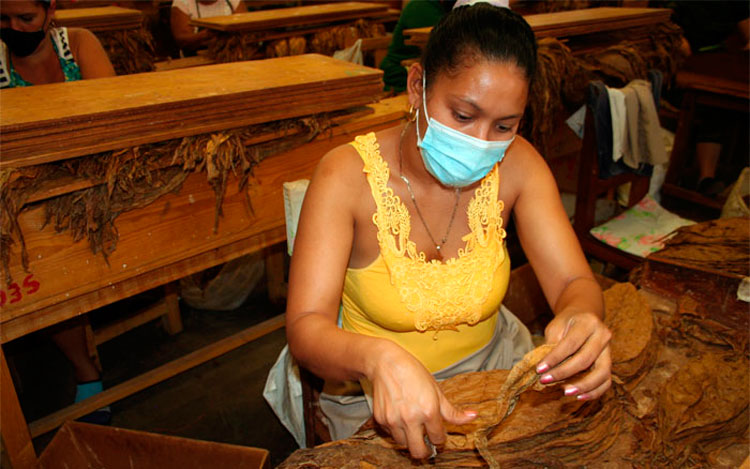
470, 413
542, 367
571, 390
582, 397
546, 379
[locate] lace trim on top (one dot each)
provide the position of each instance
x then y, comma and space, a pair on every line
440, 295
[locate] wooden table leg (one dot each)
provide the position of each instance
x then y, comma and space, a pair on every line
275, 273
172, 321
682, 140
15, 432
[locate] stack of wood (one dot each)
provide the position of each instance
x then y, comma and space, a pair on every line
671, 405
151, 134
321, 29
121, 31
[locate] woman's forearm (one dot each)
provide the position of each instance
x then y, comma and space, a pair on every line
333, 353
582, 294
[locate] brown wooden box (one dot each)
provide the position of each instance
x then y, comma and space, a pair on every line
98, 447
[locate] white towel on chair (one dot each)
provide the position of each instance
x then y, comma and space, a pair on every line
619, 116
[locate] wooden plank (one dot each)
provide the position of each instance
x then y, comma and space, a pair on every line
290, 17
15, 433
721, 73
184, 62
274, 34
594, 20
172, 320
34, 129
573, 23
167, 240
675, 190
157, 375
56, 313
375, 43
106, 18
138, 318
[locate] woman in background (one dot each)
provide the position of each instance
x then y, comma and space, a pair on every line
190, 38
36, 53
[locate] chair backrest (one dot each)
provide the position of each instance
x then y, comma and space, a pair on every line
598, 175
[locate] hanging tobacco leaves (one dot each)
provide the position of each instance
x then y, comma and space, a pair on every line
118, 181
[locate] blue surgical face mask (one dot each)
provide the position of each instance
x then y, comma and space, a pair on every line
454, 158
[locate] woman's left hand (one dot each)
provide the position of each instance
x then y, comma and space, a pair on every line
582, 346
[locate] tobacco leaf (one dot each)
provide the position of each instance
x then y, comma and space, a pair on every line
129, 178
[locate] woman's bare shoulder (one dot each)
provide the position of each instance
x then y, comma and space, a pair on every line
342, 162
79, 36
339, 175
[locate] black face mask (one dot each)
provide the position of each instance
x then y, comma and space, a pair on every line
20, 43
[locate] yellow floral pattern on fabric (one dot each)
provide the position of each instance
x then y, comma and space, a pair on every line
441, 295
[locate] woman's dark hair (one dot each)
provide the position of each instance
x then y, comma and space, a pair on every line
488, 31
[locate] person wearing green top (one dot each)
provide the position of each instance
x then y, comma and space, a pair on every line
416, 14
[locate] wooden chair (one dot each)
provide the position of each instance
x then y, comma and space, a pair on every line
590, 187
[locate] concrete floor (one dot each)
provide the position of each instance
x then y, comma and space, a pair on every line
220, 400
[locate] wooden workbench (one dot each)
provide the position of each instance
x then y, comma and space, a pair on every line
161, 242
569, 24
320, 28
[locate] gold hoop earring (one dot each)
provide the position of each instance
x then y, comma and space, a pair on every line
412, 113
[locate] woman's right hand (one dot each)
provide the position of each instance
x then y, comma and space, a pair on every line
408, 403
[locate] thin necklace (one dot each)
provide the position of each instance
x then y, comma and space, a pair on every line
414, 200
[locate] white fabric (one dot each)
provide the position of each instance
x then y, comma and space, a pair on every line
283, 392
294, 195
577, 121
497, 3
195, 9
351, 54
618, 114
660, 170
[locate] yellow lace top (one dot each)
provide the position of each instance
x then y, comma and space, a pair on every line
439, 311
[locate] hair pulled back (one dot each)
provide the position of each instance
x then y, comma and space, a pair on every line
487, 31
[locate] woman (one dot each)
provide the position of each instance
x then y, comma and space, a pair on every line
190, 38
405, 229
33, 52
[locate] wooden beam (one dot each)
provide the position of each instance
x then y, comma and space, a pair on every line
157, 375
15, 433
262, 20
131, 321
171, 320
